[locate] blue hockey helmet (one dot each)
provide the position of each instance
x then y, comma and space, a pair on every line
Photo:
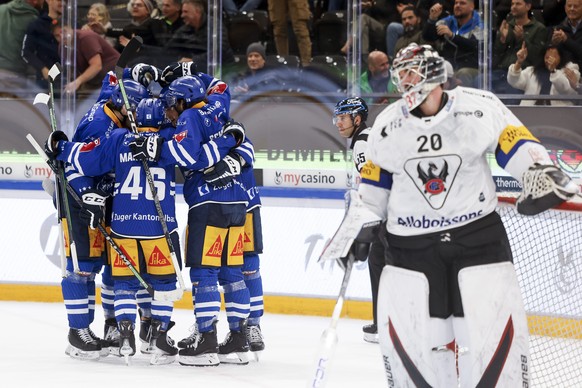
352, 106
188, 88
149, 113
135, 93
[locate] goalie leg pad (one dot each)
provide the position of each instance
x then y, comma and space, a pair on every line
494, 331
413, 344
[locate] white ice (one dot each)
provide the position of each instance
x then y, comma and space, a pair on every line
34, 338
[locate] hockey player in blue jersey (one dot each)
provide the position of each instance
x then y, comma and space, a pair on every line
253, 246
79, 286
134, 224
215, 221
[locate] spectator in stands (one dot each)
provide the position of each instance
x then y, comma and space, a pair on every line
190, 42
40, 49
395, 29
160, 31
15, 17
412, 29
375, 17
457, 37
94, 57
548, 77
232, 7
376, 80
515, 30
258, 76
99, 21
574, 80
299, 13
569, 34
141, 11
553, 12
423, 7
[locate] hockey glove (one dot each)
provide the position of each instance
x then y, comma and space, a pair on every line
54, 144
235, 129
223, 172
544, 186
93, 205
145, 74
146, 148
176, 70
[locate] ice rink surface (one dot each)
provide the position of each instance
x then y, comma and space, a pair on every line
34, 338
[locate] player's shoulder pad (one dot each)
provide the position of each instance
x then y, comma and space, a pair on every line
389, 118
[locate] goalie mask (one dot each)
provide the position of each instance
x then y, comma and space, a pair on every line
416, 71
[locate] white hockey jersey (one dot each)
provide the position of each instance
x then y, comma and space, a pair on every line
433, 171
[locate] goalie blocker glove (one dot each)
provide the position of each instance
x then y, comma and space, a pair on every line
145, 74
544, 187
54, 144
360, 248
146, 148
93, 204
235, 129
223, 172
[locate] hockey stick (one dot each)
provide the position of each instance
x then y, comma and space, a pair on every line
132, 48
49, 100
329, 338
157, 295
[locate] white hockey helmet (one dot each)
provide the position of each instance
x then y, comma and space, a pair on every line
423, 61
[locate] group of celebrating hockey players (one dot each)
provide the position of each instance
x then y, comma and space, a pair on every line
121, 162
448, 309
447, 306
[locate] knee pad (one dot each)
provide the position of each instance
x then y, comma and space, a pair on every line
412, 343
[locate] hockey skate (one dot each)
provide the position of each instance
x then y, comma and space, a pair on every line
161, 345
202, 351
235, 348
104, 352
126, 339
145, 335
111, 336
370, 333
82, 345
188, 341
255, 340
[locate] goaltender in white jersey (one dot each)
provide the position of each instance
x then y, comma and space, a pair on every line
450, 311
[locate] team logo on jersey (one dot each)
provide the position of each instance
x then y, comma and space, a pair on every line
180, 136
433, 176
90, 146
216, 248
158, 259
237, 250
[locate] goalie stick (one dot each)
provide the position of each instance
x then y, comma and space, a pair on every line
329, 338
157, 295
61, 193
133, 48
359, 224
